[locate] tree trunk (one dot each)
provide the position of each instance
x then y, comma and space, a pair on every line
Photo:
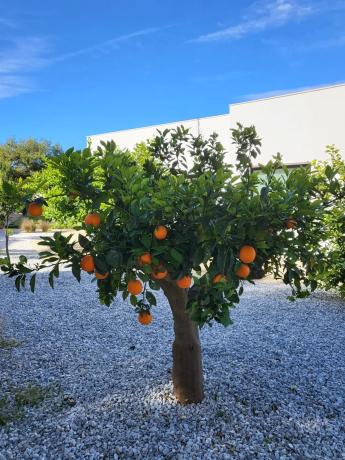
187, 362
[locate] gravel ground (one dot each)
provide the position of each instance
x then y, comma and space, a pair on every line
275, 380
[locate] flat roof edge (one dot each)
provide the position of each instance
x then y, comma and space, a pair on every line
177, 122
291, 93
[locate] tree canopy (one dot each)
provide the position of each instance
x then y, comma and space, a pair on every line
19, 159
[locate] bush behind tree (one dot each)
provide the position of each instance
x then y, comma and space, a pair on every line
331, 274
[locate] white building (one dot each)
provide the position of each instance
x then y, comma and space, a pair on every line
299, 125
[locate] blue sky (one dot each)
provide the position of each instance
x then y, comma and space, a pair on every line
77, 67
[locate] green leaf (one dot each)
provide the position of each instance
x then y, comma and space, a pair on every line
177, 256
133, 300
84, 242
33, 282
113, 258
51, 279
55, 271
224, 317
146, 240
101, 265
151, 298
17, 283
76, 271
313, 284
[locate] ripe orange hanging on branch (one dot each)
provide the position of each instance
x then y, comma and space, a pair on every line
184, 282
73, 194
93, 219
34, 209
134, 287
87, 264
160, 232
291, 223
219, 278
243, 271
101, 276
159, 273
247, 254
145, 318
145, 259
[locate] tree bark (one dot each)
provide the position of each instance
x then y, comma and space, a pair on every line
187, 372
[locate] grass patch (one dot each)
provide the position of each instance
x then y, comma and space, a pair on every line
30, 396
8, 412
14, 402
9, 343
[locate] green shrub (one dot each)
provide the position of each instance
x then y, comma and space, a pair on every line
331, 272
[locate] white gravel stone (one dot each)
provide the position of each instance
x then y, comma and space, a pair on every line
274, 381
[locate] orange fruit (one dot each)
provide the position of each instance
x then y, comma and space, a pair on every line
134, 287
99, 276
145, 318
159, 273
87, 263
35, 210
93, 218
185, 282
73, 194
160, 232
291, 223
243, 271
145, 259
219, 278
247, 254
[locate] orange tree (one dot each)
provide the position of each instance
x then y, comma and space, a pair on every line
185, 222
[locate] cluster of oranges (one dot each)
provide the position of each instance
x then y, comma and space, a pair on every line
247, 255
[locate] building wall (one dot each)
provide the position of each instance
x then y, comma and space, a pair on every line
205, 126
298, 125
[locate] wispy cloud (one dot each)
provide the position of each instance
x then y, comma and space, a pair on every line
11, 85
20, 57
263, 15
23, 55
106, 46
17, 59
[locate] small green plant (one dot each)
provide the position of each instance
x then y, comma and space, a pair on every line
30, 396
268, 440
9, 343
8, 411
14, 401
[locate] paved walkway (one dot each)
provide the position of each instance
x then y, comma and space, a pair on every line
23, 243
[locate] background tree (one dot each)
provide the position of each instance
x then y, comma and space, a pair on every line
19, 159
65, 209
192, 231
